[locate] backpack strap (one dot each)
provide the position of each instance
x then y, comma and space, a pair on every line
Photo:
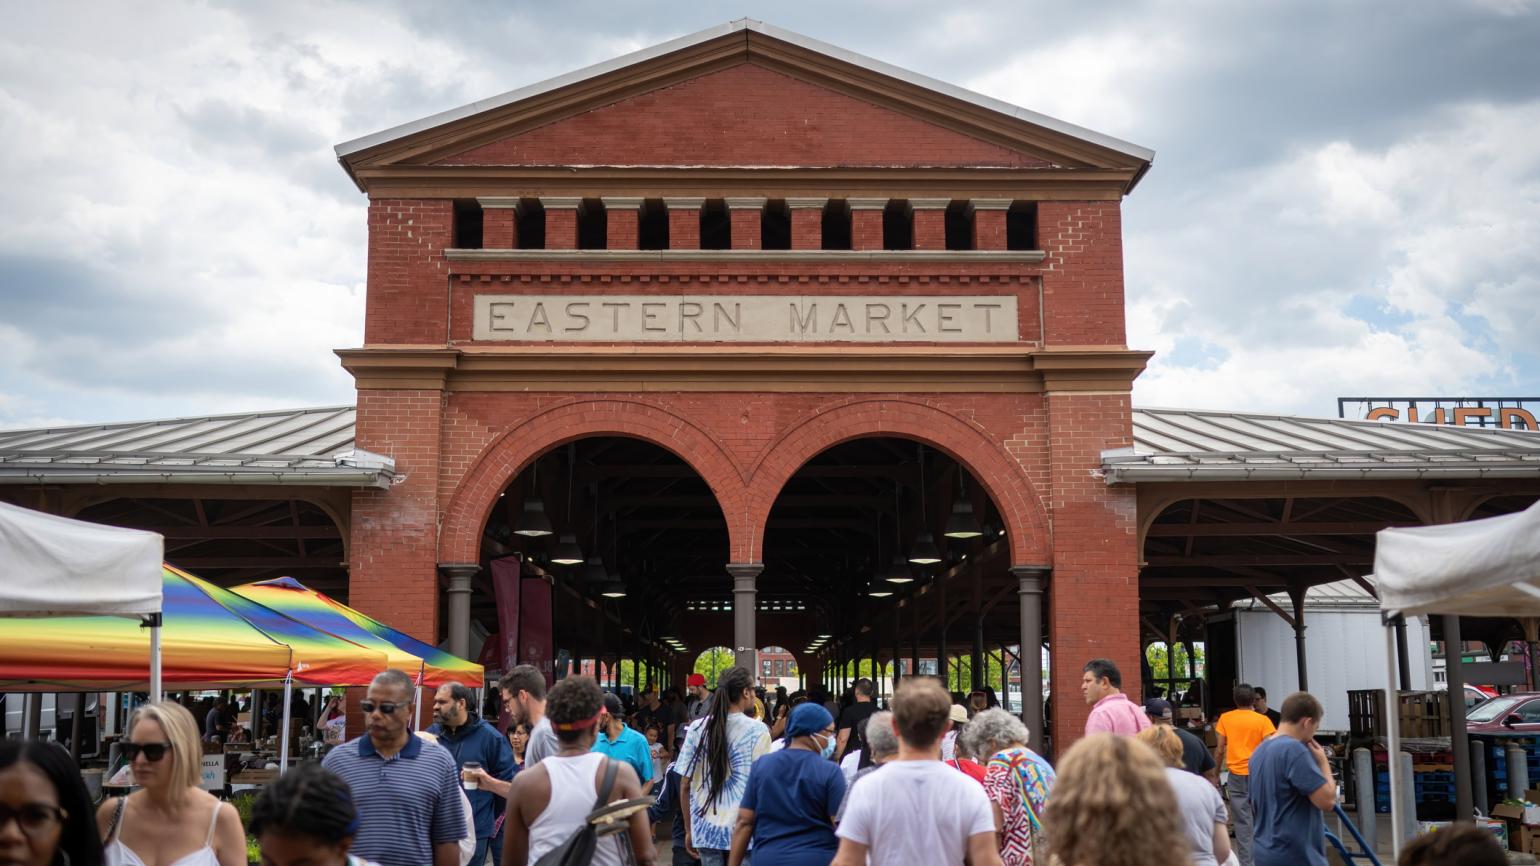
610, 769
117, 818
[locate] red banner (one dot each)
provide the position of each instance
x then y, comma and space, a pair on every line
506, 590
536, 641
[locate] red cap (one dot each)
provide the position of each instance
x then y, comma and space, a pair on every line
695, 680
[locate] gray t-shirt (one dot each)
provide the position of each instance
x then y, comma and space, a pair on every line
1200, 807
542, 743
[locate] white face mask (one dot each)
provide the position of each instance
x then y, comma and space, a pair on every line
828, 746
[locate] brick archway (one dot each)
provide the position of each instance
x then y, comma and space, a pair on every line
520, 444
1026, 520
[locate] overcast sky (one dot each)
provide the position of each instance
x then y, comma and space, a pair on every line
1345, 198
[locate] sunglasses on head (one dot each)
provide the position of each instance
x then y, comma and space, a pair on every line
152, 751
386, 707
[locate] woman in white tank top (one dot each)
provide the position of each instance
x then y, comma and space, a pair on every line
170, 821
550, 801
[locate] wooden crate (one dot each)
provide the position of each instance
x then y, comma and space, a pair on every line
1422, 714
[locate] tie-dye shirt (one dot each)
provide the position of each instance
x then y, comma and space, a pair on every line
712, 819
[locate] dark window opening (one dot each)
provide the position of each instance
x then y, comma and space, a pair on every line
1021, 226
775, 226
716, 227
959, 226
592, 226
897, 226
531, 229
836, 225
652, 226
467, 224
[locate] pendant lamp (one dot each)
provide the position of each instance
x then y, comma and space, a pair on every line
533, 521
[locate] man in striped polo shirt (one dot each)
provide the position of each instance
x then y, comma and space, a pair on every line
407, 791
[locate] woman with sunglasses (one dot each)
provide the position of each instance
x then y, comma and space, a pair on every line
170, 821
45, 811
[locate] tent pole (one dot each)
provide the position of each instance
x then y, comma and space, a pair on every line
283, 736
1393, 750
153, 621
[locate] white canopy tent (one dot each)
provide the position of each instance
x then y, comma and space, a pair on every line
1487, 567
54, 566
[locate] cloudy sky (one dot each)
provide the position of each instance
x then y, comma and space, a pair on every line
1345, 198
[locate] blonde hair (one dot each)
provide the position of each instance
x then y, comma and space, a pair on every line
181, 731
1111, 806
1164, 740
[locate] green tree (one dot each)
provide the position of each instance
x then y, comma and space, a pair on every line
712, 662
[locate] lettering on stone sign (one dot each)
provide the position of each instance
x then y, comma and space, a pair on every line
746, 318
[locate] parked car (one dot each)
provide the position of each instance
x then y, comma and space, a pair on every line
1506, 714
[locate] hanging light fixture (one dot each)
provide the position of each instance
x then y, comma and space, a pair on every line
878, 588
533, 521
924, 551
594, 572
567, 550
614, 589
962, 524
897, 570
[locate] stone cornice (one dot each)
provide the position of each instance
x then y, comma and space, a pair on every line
752, 256
782, 368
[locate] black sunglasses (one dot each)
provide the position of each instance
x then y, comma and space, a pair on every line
152, 751
386, 707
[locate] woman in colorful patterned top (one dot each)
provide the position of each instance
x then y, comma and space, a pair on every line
1016, 779
715, 758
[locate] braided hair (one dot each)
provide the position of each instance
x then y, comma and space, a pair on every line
731, 685
306, 801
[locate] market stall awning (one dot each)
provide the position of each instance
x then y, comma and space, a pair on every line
1487, 567
294, 599
54, 566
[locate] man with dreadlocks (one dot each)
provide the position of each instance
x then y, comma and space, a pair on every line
715, 758
549, 802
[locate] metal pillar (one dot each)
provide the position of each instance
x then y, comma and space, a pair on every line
744, 574
1464, 802
914, 635
1030, 583
1297, 595
978, 651
942, 668
1403, 654
459, 576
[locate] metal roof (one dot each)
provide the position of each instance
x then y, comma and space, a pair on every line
743, 25
1338, 594
292, 446
1190, 445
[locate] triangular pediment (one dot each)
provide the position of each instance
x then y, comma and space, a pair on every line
744, 94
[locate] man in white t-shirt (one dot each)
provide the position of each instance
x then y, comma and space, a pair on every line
917, 809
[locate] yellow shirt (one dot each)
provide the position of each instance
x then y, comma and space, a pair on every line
1242, 730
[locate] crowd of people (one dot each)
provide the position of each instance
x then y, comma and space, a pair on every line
735, 776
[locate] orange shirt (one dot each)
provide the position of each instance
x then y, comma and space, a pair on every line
1242, 730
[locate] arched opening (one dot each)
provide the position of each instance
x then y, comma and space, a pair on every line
711, 662
778, 669
897, 552
629, 541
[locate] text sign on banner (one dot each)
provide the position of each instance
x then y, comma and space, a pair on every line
212, 776
747, 318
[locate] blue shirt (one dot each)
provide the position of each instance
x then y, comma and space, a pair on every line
1288, 830
630, 747
406, 804
479, 741
794, 794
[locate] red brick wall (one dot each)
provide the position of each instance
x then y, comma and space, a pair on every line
1083, 287
407, 278
744, 115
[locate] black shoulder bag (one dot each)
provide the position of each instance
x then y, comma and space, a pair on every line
578, 850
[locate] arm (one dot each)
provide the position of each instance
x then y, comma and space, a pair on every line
854, 854
999, 825
229, 838
741, 835
1219, 753
684, 815
496, 786
515, 826
844, 738
444, 854
1221, 843
982, 850
1324, 797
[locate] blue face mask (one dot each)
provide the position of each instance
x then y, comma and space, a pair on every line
828, 747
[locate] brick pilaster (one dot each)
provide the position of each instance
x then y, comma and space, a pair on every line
499, 222
989, 223
561, 221
806, 222
622, 216
684, 222
929, 222
746, 214
866, 223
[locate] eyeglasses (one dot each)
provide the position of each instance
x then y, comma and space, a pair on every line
386, 707
33, 818
152, 751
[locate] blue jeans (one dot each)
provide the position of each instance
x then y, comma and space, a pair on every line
715, 857
480, 857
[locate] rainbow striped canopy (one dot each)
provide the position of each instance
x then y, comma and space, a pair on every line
293, 599
210, 638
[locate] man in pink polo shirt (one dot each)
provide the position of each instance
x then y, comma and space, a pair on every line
1111, 710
